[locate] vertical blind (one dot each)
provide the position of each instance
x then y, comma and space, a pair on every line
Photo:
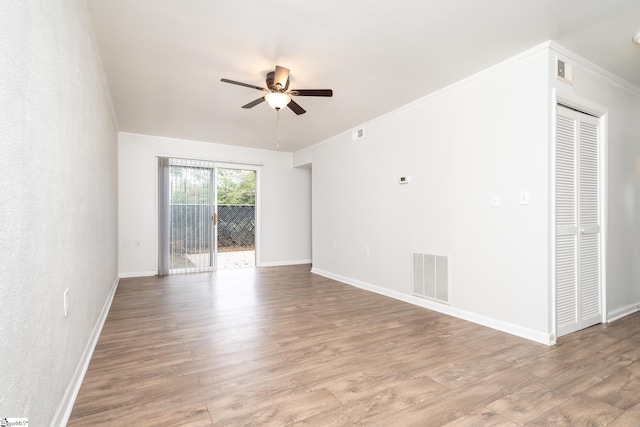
163, 216
186, 197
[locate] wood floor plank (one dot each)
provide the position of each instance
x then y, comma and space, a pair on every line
629, 418
390, 396
288, 411
578, 411
282, 346
482, 417
454, 404
244, 403
620, 390
581, 375
528, 403
166, 413
140, 398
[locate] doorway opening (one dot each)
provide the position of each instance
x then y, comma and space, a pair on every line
236, 217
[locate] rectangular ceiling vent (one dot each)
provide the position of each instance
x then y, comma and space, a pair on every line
431, 276
358, 134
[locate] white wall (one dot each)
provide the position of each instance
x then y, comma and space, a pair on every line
284, 236
622, 104
59, 204
486, 135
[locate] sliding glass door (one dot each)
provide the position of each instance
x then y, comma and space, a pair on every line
206, 216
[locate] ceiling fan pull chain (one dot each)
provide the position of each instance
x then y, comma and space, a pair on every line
277, 128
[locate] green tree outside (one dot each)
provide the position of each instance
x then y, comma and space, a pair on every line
236, 187
191, 185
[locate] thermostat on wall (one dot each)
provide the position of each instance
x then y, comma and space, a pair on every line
404, 180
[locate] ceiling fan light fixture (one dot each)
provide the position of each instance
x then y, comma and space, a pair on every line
277, 100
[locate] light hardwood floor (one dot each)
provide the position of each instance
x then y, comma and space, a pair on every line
282, 346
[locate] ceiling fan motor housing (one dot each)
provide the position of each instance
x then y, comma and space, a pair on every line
270, 82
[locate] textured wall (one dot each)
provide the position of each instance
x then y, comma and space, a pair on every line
58, 208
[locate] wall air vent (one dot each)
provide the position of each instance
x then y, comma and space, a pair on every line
431, 276
564, 71
358, 134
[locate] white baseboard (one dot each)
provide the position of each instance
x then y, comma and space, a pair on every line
128, 274
285, 263
623, 312
71, 393
533, 335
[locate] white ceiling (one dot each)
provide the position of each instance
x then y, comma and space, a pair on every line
164, 58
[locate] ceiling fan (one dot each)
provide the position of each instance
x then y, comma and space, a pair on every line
278, 94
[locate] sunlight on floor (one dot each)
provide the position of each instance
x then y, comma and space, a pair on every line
239, 259
226, 260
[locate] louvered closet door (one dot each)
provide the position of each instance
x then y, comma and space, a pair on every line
578, 283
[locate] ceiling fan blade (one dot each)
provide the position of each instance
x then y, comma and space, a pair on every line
254, 103
281, 77
296, 108
233, 82
312, 92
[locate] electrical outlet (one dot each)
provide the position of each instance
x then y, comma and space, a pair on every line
524, 198
125, 245
495, 200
